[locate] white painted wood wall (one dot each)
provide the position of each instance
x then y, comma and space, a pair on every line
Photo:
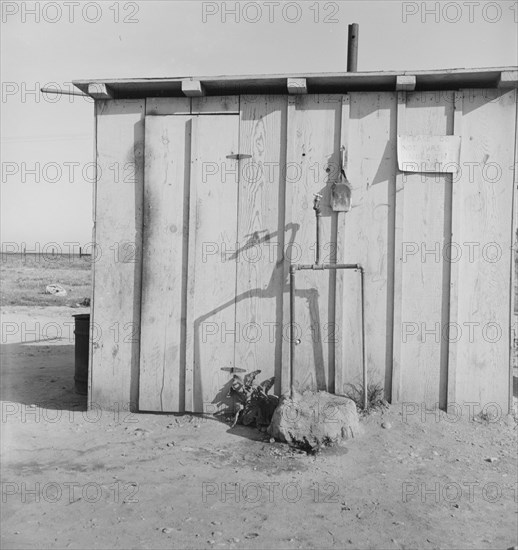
171, 286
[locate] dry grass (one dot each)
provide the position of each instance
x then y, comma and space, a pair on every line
23, 279
375, 397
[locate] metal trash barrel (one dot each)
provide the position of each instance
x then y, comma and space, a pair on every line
82, 332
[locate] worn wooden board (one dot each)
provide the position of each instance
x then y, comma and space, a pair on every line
341, 336
368, 235
214, 230
456, 223
485, 197
313, 151
211, 105
114, 359
398, 260
261, 236
168, 106
426, 227
97, 107
166, 201
191, 275
513, 321
288, 255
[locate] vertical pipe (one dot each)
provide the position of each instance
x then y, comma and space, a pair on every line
317, 251
292, 328
364, 358
318, 213
352, 48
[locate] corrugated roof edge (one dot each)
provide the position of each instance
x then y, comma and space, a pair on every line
439, 79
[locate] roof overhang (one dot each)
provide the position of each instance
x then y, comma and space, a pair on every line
444, 79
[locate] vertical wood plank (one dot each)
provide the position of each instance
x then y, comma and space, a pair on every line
513, 352
456, 223
166, 186
118, 261
368, 235
191, 271
216, 175
398, 257
424, 278
486, 193
287, 252
340, 336
261, 233
94, 252
312, 162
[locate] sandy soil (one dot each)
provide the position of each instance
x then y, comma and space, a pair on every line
90, 479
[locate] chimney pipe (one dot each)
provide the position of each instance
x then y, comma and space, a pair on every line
352, 48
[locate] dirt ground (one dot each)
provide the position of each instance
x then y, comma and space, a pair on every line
74, 478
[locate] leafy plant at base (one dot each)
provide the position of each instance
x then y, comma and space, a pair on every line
254, 406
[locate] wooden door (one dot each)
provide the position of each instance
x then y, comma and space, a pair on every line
189, 273
211, 308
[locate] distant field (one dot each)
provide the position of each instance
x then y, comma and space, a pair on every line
24, 278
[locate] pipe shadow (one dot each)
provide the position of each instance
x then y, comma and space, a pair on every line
272, 290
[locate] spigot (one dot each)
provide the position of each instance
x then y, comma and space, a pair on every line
316, 203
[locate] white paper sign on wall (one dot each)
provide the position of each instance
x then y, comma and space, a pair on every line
424, 153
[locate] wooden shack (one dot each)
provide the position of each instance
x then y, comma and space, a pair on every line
204, 197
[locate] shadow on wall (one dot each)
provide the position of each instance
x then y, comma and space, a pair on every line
272, 290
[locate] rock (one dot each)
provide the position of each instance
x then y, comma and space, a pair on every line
167, 530
386, 425
141, 431
313, 419
251, 535
491, 459
55, 289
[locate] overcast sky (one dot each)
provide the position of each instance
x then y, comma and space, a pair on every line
47, 141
